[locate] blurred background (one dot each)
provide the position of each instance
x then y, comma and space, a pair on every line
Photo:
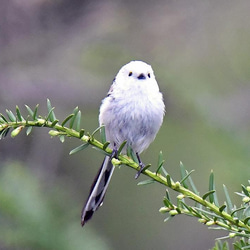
69, 51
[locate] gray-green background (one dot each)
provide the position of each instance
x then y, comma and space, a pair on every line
69, 52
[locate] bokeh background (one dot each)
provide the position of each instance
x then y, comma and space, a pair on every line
69, 51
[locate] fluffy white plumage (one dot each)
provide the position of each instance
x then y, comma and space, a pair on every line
133, 111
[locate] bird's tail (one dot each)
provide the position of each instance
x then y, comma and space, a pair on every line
98, 190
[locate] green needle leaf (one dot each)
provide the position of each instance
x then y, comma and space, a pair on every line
81, 133
105, 145
75, 111
19, 116
228, 199
54, 123
121, 147
2, 120
79, 148
169, 180
103, 134
30, 111
131, 154
208, 194
5, 120
146, 167
192, 184
186, 177
78, 120
51, 114
67, 119
245, 190
35, 112
28, 131
146, 182
222, 208
11, 115
159, 163
164, 171
237, 210
4, 133
62, 138
246, 220
213, 196
96, 130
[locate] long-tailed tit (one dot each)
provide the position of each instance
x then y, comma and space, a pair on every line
133, 111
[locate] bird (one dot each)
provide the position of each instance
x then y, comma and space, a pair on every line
132, 111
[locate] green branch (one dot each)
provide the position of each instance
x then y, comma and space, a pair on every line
228, 217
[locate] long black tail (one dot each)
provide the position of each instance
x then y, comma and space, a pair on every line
98, 190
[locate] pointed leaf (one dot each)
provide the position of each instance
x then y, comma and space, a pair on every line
19, 116
213, 196
105, 145
5, 120
186, 177
4, 132
245, 190
159, 167
11, 115
246, 220
167, 195
1, 120
222, 208
75, 111
146, 167
121, 147
228, 199
237, 210
101, 151
193, 187
29, 111
35, 112
168, 203
54, 123
78, 120
132, 155
79, 148
81, 133
169, 180
160, 162
146, 182
167, 219
62, 138
164, 171
183, 175
211, 188
208, 194
103, 134
96, 130
28, 131
67, 119
51, 114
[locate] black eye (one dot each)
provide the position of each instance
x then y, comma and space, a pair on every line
149, 75
130, 73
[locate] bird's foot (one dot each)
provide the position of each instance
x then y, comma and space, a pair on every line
142, 166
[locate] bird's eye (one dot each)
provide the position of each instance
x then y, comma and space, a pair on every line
130, 73
149, 75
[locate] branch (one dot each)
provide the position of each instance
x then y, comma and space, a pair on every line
206, 208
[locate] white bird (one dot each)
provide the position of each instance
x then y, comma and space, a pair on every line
133, 111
